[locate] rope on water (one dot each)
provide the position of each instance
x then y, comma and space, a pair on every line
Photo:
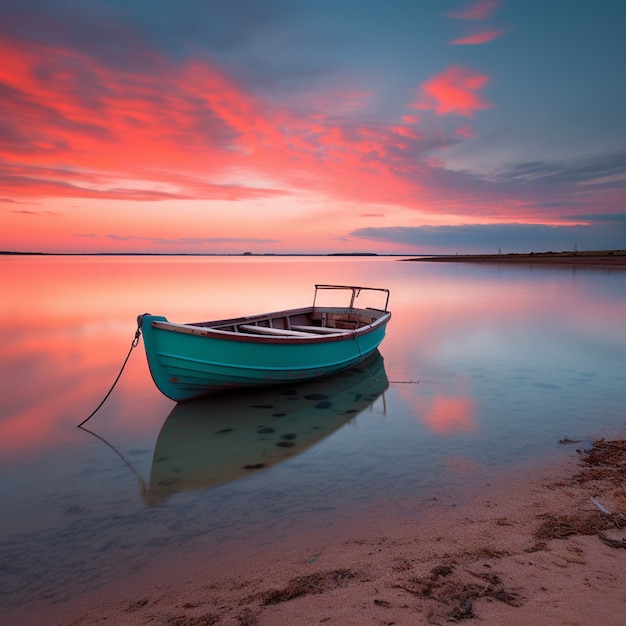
133, 345
142, 482
379, 380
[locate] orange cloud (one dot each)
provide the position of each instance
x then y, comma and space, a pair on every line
74, 127
477, 38
454, 91
79, 128
478, 11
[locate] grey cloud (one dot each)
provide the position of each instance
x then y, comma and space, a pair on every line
615, 218
507, 237
571, 171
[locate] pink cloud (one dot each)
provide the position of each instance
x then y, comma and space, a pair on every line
454, 91
411, 119
480, 10
406, 131
465, 131
476, 38
80, 129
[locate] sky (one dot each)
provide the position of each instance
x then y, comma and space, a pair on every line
301, 126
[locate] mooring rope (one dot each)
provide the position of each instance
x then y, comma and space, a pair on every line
367, 369
133, 345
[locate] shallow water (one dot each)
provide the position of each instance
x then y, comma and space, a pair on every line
508, 361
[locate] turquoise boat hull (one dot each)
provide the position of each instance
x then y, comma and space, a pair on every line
188, 361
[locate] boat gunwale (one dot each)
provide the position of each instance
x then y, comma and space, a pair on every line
209, 330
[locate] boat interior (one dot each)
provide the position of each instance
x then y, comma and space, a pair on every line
300, 323
310, 322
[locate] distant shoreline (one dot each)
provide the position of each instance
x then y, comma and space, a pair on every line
595, 258
588, 258
199, 254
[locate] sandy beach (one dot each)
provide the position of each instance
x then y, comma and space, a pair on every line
595, 258
545, 546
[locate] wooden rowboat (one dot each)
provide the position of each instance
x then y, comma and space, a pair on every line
188, 361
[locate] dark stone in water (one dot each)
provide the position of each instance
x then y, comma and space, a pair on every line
265, 431
286, 444
323, 405
223, 431
257, 466
289, 436
279, 414
316, 396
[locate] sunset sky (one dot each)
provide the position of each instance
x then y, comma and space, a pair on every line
312, 126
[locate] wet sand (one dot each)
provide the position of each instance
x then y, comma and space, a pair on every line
541, 547
599, 258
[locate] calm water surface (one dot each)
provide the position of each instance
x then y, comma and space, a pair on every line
509, 360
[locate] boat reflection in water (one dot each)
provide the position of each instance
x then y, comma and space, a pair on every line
219, 439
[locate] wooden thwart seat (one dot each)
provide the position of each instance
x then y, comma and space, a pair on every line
265, 330
321, 330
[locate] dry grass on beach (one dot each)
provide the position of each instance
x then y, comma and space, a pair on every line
544, 549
